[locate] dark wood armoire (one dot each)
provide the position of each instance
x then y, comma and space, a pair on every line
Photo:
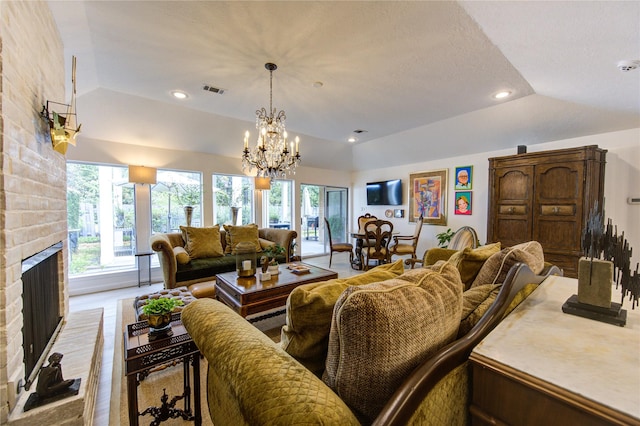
547, 197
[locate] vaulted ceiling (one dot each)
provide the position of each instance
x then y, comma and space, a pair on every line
392, 69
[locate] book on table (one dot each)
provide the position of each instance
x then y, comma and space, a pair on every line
299, 269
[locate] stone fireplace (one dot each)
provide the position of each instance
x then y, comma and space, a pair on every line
32, 176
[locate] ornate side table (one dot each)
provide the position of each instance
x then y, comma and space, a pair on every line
141, 356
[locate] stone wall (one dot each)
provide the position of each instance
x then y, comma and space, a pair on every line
32, 176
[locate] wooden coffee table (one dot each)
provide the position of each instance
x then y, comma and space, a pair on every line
248, 296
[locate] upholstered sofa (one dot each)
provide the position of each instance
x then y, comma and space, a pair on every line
194, 256
324, 369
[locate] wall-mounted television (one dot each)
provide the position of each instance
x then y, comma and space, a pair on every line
384, 193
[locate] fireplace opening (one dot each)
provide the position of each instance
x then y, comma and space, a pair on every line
40, 308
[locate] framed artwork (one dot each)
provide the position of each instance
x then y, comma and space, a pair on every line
463, 202
398, 213
464, 177
428, 196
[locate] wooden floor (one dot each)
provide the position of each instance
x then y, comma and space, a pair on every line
108, 301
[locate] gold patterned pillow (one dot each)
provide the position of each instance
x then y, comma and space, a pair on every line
470, 260
239, 234
495, 269
381, 332
305, 335
202, 242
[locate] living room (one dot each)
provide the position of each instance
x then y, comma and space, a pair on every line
34, 58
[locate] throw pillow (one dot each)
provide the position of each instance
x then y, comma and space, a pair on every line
265, 243
305, 335
202, 242
477, 300
182, 257
495, 269
470, 260
238, 234
381, 332
435, 254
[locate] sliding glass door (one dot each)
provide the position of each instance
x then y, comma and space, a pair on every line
318, 203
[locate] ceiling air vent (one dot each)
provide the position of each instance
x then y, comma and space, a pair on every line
213, 89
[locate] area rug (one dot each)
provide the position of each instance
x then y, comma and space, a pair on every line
150, 389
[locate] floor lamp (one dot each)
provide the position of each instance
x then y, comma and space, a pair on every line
142, 179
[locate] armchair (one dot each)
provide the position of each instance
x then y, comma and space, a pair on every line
407, 244
463, 238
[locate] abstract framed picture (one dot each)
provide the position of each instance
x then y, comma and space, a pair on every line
464, 178
428, 196
463, 202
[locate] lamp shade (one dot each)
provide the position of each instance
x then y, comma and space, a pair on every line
141, 174
262, 183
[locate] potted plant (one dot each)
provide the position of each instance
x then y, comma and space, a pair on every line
444, 238
158, 312
271, 253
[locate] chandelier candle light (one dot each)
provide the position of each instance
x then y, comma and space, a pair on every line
273, 156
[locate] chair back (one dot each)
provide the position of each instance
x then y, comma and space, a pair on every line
463, 238
362, 220
416, 232
326, 223
377, 237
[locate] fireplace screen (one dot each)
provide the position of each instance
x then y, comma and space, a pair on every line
41, 306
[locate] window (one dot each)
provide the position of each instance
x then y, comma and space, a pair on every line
100, 216
278, 202
232, 199
174, 191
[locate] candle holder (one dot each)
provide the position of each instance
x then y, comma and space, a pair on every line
246, 259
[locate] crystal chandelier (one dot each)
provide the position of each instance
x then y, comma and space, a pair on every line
273, 156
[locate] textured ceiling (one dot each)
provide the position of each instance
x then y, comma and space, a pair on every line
406, 72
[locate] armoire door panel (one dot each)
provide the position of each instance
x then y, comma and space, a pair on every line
512, 210
515, 184
559, 182
558, 210
558, 234
512, 231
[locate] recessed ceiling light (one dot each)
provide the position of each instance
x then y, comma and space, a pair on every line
179, 94
352, 139
503, 94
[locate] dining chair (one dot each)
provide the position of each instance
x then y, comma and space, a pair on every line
406, 244
337, 247
362, 220
378, 235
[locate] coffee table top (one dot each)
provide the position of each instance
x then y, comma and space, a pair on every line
246, 285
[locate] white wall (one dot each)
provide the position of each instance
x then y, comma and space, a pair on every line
622, 180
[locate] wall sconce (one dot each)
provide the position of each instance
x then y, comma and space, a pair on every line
262, 183
62, 128
142, 174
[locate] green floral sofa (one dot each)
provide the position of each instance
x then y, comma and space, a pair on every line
388, 346
194, 256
